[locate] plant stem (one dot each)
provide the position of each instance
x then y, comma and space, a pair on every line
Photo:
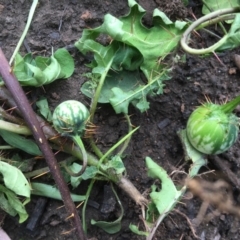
220, 24
209, 17
94, 107
40, 172
98, 91
6, 147
11, 127
5, 115
230, 106
29, 116
125, 145
30, 16
90, 186
103, 158
80, 145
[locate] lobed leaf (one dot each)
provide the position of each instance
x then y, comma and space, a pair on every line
166, 198
133, 46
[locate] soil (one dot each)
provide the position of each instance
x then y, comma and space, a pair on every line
60, 23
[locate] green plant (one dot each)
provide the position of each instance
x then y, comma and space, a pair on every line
134, 48
70, 119
40, 71
213, 128
115, 79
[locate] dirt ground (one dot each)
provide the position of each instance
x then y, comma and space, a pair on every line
60, 23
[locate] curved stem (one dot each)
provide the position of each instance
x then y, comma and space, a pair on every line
78, 141
209, 17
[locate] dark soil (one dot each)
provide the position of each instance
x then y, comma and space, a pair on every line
60, 23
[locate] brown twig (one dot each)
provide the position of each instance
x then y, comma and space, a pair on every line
220, 163
31, 119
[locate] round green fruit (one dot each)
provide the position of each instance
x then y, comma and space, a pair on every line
70, 118
211, 130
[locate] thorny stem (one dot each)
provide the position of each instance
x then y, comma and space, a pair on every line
209, 18
31, 119
5, 115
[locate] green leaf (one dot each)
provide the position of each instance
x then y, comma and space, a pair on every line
65, 61
153, 43
135, 230
121, 99
43, 70
89, 173
115, 163
102, 55
233, 36
24, 165
38, 78
44, 109
134, 46
14, 204
49, 191
168, 196
218, 4
124, 80
198, 158
111, 227
127, 58
5, 205
17, 141
14, 179
125, 87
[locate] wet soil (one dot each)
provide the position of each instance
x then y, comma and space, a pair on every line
60, 23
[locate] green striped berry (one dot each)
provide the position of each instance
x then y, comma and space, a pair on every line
70, 118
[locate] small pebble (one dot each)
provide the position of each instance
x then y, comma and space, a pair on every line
164, 123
